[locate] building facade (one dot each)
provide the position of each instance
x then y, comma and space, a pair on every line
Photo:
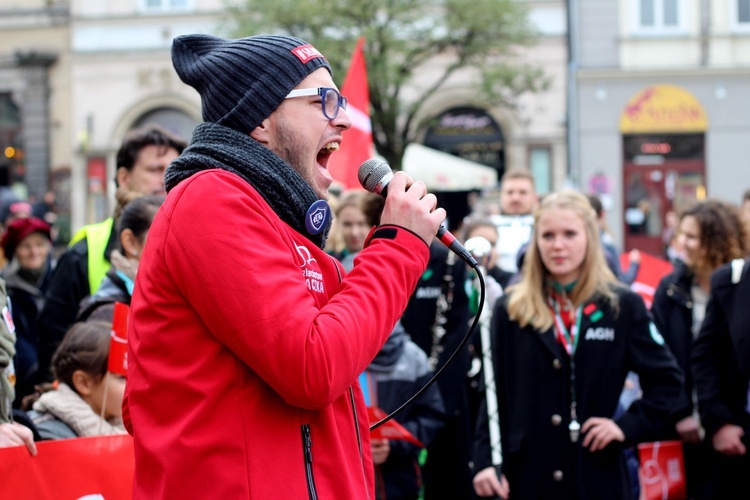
76, 75
661, 98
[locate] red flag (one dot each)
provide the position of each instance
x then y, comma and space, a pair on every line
118, 341
650, 272
357, 145
391, 429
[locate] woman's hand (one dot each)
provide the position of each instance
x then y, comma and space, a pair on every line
487, 484
598, 432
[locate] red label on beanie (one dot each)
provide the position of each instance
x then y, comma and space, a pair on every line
306, 53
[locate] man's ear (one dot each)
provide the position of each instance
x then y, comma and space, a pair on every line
262, 133
83, 382
122, 176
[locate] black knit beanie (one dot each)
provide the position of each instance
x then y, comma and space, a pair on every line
241, 82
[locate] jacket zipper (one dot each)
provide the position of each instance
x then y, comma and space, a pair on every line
678, 293
359, 439
307, 446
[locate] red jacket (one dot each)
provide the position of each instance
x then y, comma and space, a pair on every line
245, 346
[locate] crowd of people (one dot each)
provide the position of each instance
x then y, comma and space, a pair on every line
58, 311
269, 319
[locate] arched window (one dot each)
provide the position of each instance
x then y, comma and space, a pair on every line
174, 120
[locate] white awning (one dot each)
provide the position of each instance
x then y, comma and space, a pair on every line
446, 172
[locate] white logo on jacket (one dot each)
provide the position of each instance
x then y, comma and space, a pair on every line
313, 277
600, 333
304, 255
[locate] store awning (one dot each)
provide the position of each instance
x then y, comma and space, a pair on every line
446, 172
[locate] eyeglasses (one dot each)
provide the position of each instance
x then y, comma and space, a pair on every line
330, 99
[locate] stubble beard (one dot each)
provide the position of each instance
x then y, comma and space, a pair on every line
292, 152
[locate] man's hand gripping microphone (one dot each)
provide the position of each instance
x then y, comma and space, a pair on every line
375, 175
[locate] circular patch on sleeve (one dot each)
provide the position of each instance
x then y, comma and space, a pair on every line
317, 217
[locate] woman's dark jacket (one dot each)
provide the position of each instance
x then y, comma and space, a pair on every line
26, 299
533, 377
672, 310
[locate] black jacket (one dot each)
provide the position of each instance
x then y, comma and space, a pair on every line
69, 285
26, 299
446, 473
401, 369
721, 353
532, 372
672, 310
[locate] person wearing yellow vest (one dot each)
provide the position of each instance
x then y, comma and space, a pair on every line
142, 160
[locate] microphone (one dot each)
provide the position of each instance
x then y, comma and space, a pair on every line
375, 175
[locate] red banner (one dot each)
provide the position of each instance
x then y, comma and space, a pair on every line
650, 272
70, 469
662, 471
118, 341
357, 145
391, 429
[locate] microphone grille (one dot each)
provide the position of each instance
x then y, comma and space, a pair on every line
372, 172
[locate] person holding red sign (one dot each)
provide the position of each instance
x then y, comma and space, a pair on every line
564, 339
87, 400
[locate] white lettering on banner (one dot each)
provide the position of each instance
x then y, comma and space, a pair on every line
428, 292
600, 334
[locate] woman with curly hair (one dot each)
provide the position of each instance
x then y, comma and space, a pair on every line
711, 233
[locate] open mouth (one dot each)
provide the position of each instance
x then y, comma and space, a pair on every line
325, 153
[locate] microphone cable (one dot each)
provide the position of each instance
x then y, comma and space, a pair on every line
435, 376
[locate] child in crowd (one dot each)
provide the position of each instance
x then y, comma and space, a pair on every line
88, 399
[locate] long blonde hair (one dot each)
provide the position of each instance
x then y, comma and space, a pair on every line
527, 302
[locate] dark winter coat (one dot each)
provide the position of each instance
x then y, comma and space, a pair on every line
721, 369
447, 469
401, 369
532, 371
69, 285
26, 300
721, 353
672, 310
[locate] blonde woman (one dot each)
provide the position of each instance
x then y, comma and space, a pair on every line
564, 338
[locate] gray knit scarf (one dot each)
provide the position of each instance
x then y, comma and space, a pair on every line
285, 191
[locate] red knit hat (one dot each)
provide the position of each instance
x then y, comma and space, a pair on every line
18, 230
